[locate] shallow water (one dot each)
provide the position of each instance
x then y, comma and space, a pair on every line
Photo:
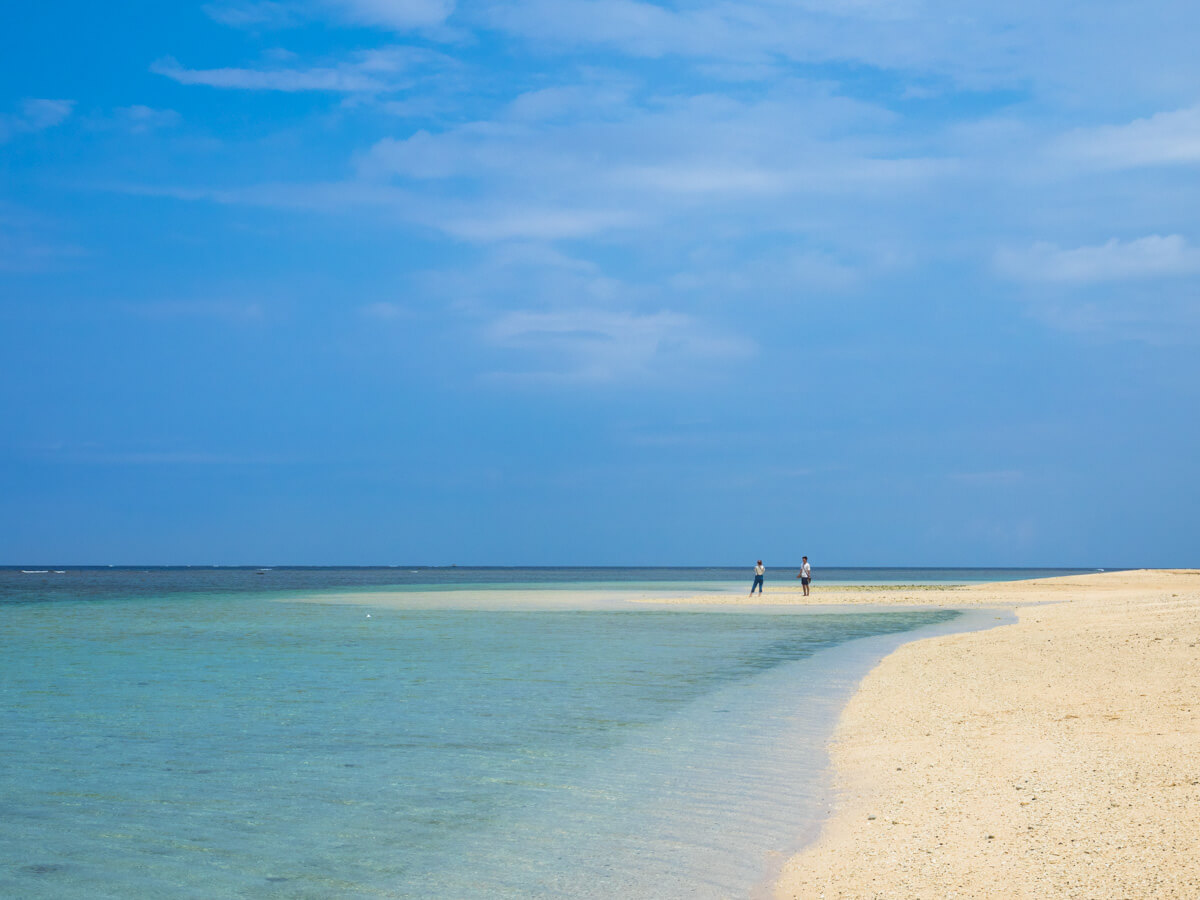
42, 582
236, 745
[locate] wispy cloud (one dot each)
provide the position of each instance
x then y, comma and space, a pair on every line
94, 454
223, 310
1152, 317
385, 311
253, 13
400, 15
140, 119
775, 273
1153, 256
992, 45
595, 345
394, 15
997, 477
565, 101
369, 71
331, 197
1165, 138
637, 161
21, 251
536, 223
35, 115
475, 222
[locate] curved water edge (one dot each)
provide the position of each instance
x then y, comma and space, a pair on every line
225, 744
857, 659
40, 583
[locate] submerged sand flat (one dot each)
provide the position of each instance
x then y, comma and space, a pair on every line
468, 597
947, 595
1058, 757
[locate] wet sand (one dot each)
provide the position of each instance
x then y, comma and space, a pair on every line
1057, 757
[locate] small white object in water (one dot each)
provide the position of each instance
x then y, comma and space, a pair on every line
368, 615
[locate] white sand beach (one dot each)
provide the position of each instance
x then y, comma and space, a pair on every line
1057, 757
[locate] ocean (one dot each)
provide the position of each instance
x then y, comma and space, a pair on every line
211, 732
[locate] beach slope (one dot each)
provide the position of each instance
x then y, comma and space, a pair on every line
1057, 757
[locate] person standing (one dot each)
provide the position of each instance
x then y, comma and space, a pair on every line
759, 571
805, 575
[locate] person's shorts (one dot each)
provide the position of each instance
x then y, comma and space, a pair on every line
805, 581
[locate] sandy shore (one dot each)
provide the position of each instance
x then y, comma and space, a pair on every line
1058, 757
948, 596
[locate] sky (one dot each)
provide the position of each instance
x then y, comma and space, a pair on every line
600, 282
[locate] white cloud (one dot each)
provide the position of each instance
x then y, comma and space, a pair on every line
1008, 45
385, 312
1165, 138
142, 119
478, 222
419, 156
997, 477
539, 256
94, 454
600, 345
329, 197
252, 14
658, 168
370, 71
1153, 256
39, 114
35, 115
777, 272
886, 34
221, 310
612, 147
395, 15
1155, 317
545, 168
533, 223
562, 101
705, 179
21, 251
400, 15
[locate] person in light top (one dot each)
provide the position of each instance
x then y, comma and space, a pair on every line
805, 575
759, 571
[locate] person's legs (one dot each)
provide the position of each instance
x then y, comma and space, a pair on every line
758, 583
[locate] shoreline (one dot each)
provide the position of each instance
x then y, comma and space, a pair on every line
1055, 757
836, 597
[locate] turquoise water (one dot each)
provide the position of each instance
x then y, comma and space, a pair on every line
53, 582
235, 745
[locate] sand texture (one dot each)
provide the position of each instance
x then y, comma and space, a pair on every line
1057, 757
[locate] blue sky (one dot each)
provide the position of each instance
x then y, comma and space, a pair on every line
600, 282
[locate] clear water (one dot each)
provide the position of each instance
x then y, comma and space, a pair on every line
41, 582
219, 741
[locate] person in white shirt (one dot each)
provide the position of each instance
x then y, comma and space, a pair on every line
759, 571
805, 575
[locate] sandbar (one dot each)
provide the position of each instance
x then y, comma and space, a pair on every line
1055, 757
